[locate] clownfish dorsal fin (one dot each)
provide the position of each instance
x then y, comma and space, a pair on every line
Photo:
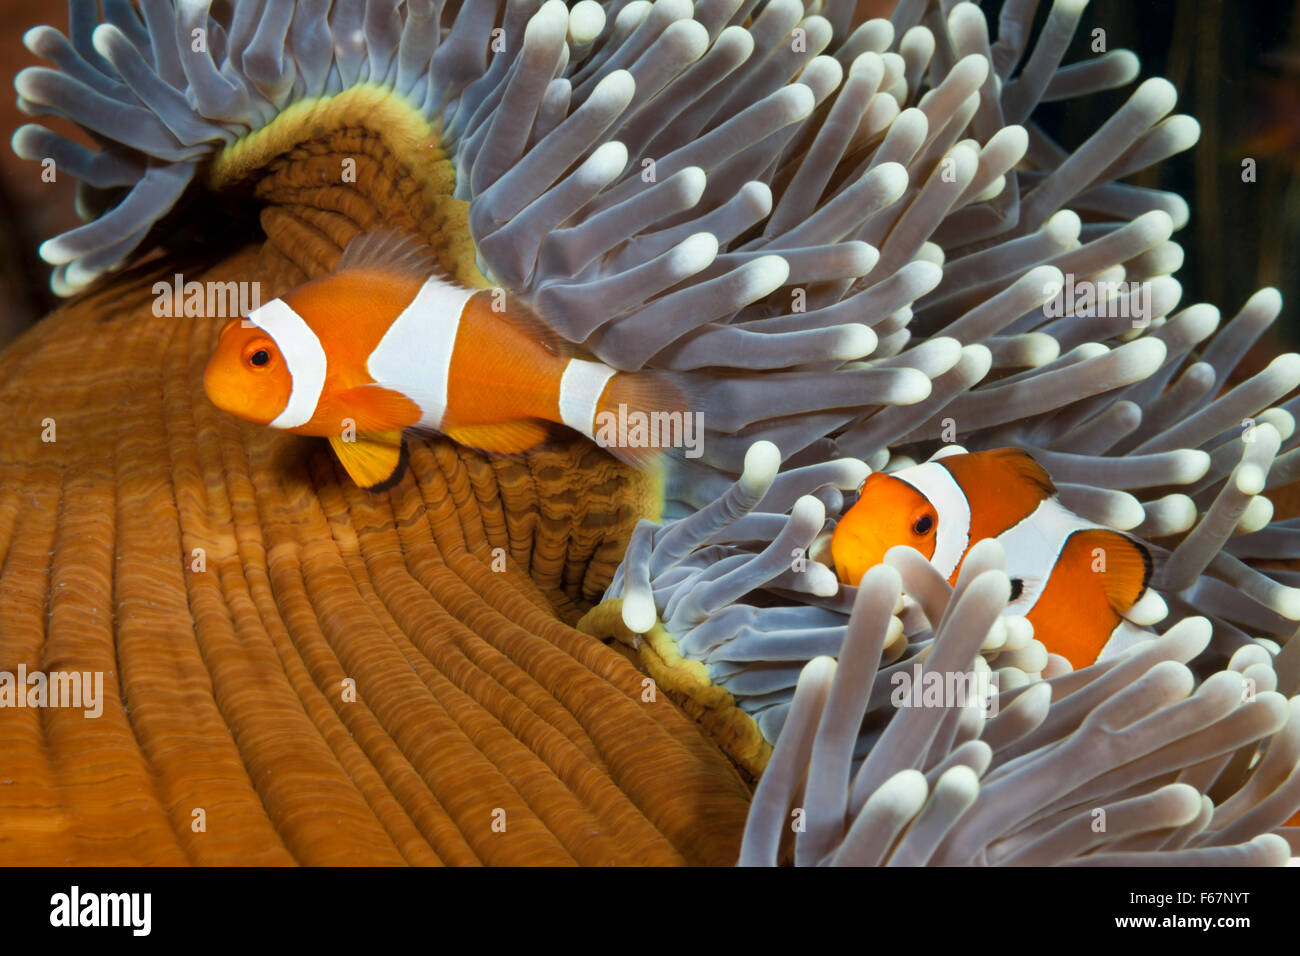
514, 310
1023, 465
375, 462
1124, 564
999, 466
387, 250
1002, 487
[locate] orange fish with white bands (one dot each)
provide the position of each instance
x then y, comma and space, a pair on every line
383, 344
1074, 580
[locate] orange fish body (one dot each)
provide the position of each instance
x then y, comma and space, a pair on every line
1071, 578
381, 345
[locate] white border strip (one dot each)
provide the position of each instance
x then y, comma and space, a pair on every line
303, 356
414, 356
581, 386
1034, 545
952, 537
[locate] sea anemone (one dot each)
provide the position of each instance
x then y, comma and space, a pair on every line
1107, 766
854, 245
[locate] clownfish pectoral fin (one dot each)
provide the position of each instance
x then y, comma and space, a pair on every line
374, 408
503, 438
1098, 575
375, 462
1124, 564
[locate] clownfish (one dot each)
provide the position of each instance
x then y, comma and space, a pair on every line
1073, 579
384, 344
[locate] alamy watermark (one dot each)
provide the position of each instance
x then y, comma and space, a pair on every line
929, 688
1121, 299
128, 910
74, 689
634, 428
214, 300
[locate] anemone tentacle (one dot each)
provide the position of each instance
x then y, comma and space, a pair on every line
1029, 785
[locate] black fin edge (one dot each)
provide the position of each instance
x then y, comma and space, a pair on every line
393, 480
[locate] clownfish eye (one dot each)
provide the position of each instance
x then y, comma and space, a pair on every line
923, 525
258, 354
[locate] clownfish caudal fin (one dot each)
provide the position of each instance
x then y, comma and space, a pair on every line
642, 414
375, 462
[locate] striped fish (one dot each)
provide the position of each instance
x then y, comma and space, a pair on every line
383, 344
1074, 580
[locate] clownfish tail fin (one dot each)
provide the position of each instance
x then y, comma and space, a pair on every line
642, 414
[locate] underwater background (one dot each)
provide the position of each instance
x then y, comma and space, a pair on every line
498, 615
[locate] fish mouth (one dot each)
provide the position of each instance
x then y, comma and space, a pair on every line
211, 390
855, 554
219, 393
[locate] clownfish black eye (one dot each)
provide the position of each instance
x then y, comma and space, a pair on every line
923, 524
259, 358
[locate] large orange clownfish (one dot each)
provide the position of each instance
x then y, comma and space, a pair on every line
383, 344
1073, 579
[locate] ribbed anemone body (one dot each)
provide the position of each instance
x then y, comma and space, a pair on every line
852, 241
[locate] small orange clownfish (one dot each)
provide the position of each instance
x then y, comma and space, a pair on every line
383, 344
1076, 602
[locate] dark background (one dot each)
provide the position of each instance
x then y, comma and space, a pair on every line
1235, 63
1236, 66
